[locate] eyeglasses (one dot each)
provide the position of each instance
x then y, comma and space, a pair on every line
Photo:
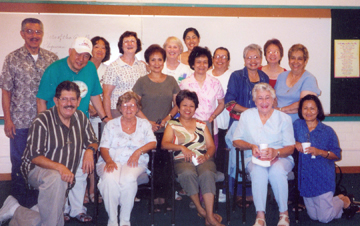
128, 105
253, 57
273, 52
223, 57
65, 99
129, 42
30, 32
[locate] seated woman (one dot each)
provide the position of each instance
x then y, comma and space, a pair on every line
317, 175
189, 137
124, 144
265, 125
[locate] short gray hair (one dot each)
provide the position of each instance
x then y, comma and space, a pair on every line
263, 87
255, 47
31, 21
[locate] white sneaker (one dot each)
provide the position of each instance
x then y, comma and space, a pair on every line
8, 209
222, 197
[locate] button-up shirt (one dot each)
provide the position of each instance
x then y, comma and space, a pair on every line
21, 76
49, 137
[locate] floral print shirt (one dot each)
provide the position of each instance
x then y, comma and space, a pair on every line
21, 76
208, 94
122, 145
123, 77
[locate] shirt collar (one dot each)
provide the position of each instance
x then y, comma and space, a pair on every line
122, 63
26, 52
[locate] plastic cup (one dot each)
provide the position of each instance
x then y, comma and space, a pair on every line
305, 145
262, 147
194, 160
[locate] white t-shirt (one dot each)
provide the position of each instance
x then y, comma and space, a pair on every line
180, 73
223, 119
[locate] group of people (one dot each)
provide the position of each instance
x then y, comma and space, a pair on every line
173, 101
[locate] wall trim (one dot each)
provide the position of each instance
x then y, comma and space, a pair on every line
183, 4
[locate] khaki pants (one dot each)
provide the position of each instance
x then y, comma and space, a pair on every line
51, 200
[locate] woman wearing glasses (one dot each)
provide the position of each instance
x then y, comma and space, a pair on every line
122, 74
238, 98
273, 52
125, 142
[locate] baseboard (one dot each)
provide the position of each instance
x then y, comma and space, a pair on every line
5, 176
348, 169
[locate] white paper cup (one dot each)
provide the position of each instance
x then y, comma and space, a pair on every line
305, 145
194, 160
263, 146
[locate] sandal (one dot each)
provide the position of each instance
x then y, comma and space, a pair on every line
92, 198
282, 220
240, 205
66, 217
218, 217
83, 217
257, 222
157, 208
300, 208
352, 209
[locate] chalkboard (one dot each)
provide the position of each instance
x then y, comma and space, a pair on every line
345, 92
234, 33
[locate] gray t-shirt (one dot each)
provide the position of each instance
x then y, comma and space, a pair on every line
156, 98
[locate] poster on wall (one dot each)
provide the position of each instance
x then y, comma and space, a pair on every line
346, 55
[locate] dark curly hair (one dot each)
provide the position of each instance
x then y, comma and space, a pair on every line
199, 52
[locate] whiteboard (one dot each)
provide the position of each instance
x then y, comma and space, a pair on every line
234, 33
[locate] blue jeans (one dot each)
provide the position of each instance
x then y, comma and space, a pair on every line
19, 189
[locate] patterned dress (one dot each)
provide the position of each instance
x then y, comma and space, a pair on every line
193, 141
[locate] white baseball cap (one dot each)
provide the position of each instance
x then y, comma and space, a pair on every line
82, 45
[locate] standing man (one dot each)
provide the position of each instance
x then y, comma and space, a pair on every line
19, 81
77, 68
53, 152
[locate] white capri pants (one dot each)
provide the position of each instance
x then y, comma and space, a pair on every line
276, 174
119, 188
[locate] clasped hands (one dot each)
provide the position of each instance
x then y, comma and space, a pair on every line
267, 154
188, 154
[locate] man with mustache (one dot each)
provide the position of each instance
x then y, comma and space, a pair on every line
53, 152
78, 69
19, 81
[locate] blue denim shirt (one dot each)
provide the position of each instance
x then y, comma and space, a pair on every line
239, 88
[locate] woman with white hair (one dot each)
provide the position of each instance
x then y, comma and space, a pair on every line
173, 66
265, 126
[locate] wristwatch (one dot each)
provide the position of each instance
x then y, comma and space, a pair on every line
92, 148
